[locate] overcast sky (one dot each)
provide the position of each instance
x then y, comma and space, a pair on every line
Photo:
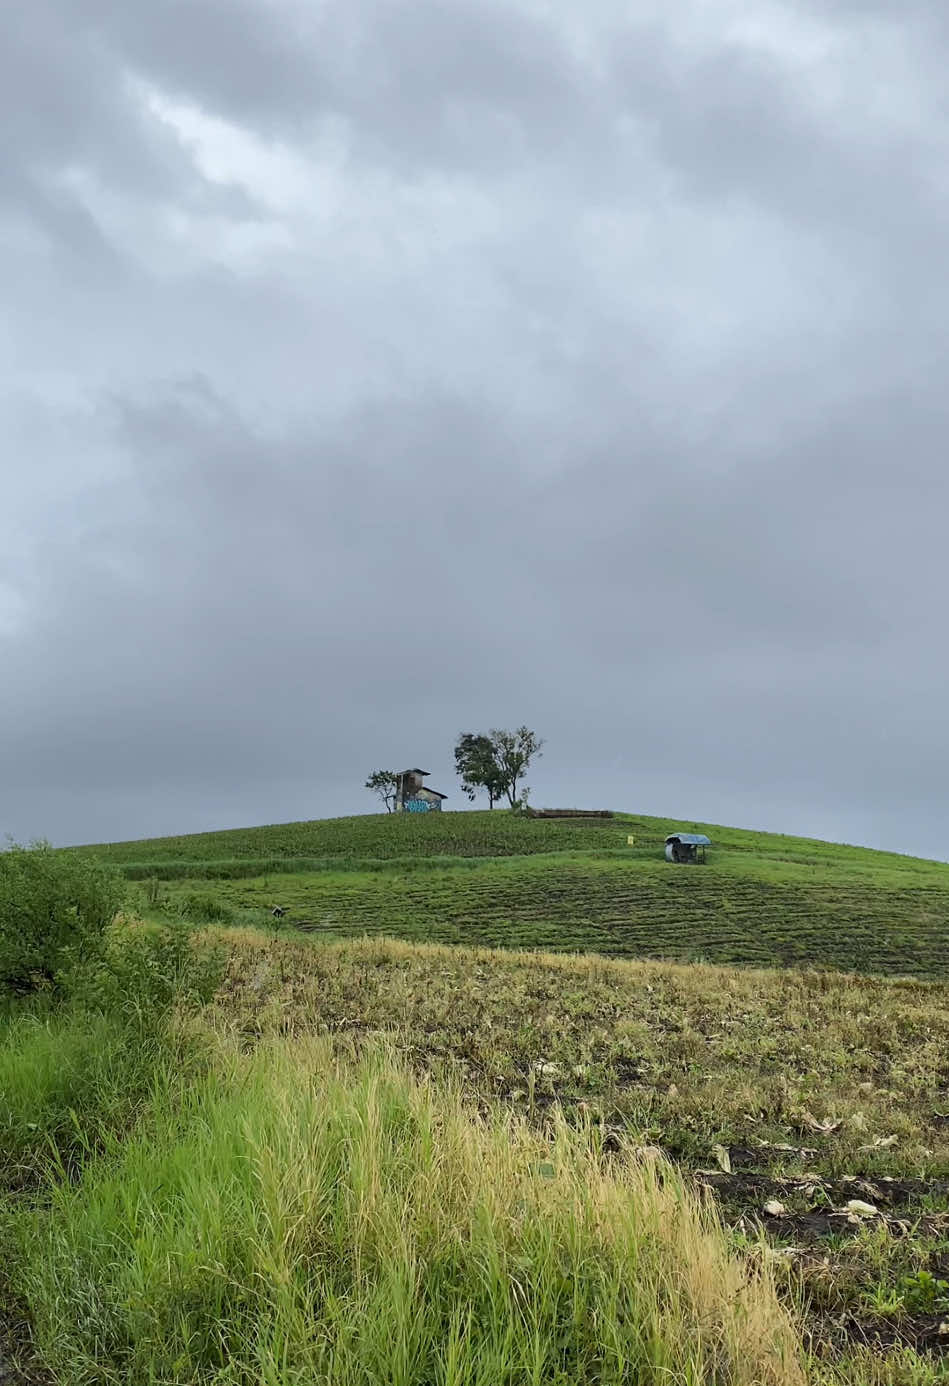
372, 371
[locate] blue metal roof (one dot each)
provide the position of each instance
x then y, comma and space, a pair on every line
692, 839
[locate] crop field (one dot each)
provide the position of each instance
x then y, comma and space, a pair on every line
621, 909
267, 1190
495, 879
380, 837
402, 1145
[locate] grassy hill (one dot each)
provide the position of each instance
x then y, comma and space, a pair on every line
381, 836
499, 880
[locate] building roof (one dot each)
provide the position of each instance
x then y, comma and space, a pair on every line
690, 839
415, 771
427, 789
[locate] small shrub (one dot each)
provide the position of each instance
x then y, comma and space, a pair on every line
923, 1293
54, 911
203, 908
144, 973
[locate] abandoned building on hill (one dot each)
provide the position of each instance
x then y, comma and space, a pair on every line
412, 796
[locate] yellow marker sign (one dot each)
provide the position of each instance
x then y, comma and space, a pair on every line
631, 841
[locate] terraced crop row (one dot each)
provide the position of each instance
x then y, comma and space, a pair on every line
608, 906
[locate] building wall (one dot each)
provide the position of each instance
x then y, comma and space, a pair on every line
416, 796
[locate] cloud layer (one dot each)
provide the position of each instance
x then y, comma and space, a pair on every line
375, 372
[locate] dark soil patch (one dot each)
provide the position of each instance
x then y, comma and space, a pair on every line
628, 1072
922, 1332
816, 1219
755, 1187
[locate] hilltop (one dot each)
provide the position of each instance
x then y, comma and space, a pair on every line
482, 833
498, 879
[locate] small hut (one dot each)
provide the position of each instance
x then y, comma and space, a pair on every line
686, 847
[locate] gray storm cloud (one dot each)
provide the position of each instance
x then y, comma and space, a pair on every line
376, 372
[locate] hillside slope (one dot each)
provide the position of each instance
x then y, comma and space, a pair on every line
383, 836
497, 879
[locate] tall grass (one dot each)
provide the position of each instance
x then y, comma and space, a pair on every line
67, 1077
285, 1221
79, 1063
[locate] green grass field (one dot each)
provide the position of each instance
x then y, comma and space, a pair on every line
501, 880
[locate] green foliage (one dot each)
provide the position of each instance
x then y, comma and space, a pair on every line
511, 880
146, 972
77, 1067
68, 1075
202, 907
477, 767
513, 753
243, 868
380, 837
286, 1222
385, 783
924, 1293
620, 904
54, 910
191, 1214
495, 761
822, 1087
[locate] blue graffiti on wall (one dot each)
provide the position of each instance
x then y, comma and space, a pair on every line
416, 806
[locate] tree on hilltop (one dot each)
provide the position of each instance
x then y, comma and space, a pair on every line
495, 761
477, 767
385, 783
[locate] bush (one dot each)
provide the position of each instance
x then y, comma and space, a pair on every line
202, 908
143, 973
54, 911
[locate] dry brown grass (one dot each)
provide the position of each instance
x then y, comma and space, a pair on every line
807, 1080
695, 1054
